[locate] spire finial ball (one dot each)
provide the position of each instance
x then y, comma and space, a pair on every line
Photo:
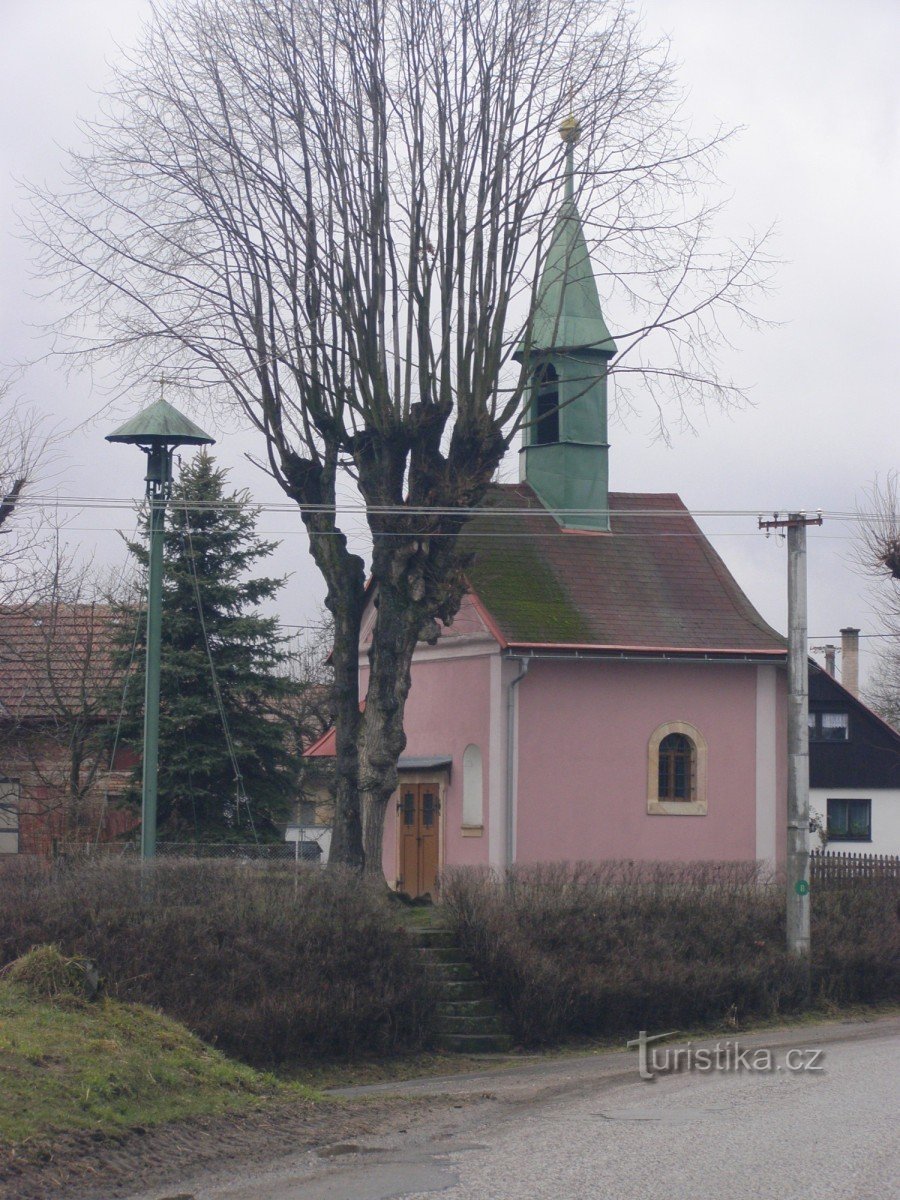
570, 130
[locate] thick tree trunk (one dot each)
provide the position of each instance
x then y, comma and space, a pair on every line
382, 741
313, 484
401, 615
347, 835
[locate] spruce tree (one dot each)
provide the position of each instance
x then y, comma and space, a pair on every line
208, 789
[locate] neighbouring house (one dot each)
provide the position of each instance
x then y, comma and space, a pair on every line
313, 815
854, 763
310, 830
59, 789
607, 691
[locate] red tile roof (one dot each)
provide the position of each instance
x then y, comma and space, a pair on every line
55, 658
324, 746
654, 583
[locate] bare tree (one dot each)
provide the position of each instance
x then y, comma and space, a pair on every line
331, 215
883, 692
15, 455
312, 712
60, 684
878, 552
879, 530
309, 666
24, 447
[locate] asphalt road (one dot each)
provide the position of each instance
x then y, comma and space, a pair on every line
589, 1128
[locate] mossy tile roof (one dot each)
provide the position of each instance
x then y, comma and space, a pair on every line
653, 583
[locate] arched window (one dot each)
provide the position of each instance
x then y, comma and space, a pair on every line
677, 767
545, 389
676, 771
473, 792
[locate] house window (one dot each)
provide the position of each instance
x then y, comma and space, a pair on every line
850, 820
676, 771
408, 808
829, 727
545, 384
9, 816
677, 755
473, 792
429, 809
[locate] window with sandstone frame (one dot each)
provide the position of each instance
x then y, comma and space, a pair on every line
677, 771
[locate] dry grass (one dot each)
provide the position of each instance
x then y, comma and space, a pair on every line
590, 950
70, 1065
269, 964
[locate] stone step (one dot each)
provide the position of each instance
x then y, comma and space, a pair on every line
443, 954
466, 1008
467, 1019
451, 972
431, 938
462, 989
486, 1023
476, 1043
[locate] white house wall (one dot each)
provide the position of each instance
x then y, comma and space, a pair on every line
885, 818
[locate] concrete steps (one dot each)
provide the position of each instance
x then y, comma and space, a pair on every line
468, 1021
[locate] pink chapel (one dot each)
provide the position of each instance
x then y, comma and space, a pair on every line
607, 691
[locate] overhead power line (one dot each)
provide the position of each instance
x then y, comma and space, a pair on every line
350, 507
823, 637
484, 535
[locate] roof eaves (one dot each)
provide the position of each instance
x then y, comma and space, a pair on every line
775, 653
482, 610
316, 749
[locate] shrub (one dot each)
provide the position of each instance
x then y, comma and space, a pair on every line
267, 963
856, 940
611, 948
45, 974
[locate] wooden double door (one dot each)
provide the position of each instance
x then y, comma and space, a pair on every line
418, 815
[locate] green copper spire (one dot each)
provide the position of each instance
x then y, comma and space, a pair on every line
567, 312
567, 356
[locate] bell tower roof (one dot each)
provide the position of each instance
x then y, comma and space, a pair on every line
567, 313
566, 353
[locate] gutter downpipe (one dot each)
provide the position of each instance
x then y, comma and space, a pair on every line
511, 755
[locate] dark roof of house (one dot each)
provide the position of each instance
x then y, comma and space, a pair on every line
869, 758
55, 658
654, 583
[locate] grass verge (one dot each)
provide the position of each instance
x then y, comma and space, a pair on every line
69, 1065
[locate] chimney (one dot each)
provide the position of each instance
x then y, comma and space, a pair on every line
850, 660
829, 652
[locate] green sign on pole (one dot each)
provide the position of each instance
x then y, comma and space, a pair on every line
801, 887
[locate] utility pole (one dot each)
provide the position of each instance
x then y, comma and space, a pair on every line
797, 893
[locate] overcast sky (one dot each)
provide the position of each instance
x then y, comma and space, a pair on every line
814, 83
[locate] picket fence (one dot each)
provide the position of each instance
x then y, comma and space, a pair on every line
826, 866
